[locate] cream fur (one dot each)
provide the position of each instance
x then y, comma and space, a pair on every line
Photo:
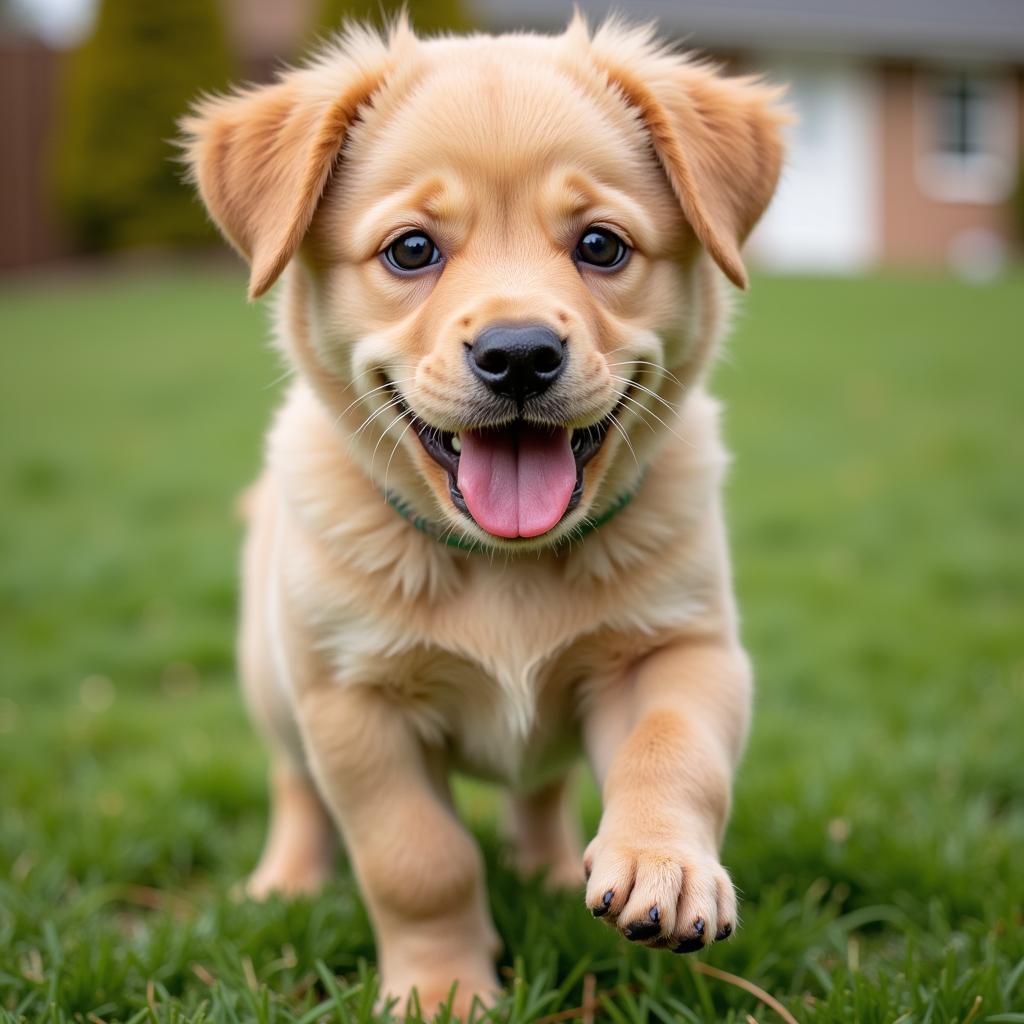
375, 659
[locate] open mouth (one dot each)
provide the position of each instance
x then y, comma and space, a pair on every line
520, 479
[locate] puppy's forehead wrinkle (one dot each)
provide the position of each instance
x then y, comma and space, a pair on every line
433, 198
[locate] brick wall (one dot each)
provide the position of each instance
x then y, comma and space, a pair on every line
918, 229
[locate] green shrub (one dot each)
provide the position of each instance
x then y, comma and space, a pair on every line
117, 181
427, 16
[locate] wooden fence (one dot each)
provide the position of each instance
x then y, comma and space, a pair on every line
29, 76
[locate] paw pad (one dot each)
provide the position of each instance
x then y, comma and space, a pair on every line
641, 931
689, 946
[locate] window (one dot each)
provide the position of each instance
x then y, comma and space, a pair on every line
967, 123
960, 110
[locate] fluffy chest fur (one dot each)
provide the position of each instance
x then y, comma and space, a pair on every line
487, 655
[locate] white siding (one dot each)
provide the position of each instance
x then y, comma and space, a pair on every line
825, 216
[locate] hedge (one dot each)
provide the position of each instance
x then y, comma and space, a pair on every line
427, 16
117, 180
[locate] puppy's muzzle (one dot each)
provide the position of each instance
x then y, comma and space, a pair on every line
517, 362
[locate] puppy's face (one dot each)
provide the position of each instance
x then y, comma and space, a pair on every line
498, 256
503, 291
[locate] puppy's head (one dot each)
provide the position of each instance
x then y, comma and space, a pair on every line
504, 253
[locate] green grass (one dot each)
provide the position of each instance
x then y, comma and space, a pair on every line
876, 507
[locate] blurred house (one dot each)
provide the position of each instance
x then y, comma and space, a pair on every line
907, 152
266, 33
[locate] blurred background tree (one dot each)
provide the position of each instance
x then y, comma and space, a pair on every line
427, 16
117, 181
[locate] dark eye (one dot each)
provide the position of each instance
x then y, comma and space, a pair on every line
413, 251
601, 248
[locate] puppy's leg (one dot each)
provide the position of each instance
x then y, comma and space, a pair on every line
664, 744
301, 838
545, 834
421, 874
301, 841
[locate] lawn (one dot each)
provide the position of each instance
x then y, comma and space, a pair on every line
876, 507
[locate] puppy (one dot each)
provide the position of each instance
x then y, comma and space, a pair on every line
489, 531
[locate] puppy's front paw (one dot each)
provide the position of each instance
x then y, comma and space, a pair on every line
664, 895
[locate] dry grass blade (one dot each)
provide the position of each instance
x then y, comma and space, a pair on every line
974, 1010
748, 986
250, 974
589, 998
554, 1018
203, 975
157, 899
32, 967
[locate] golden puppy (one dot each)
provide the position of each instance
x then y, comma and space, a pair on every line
489, 531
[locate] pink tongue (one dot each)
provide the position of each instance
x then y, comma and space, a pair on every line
517, 483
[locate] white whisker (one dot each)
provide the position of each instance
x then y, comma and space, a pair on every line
288, 372
372, 391
647, 362
387, 468
643, 411
625, 437
393, 404
668, 405
384, 433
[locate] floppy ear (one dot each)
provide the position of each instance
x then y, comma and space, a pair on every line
262, 157
718, 139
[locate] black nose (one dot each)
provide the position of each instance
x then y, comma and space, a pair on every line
517, 361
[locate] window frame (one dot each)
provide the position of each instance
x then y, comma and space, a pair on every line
984, 177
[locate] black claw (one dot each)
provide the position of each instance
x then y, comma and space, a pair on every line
698, 925
689, 946
640, 931
606, 902
654, 914
725, 932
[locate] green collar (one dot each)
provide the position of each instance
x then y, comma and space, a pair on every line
449, 539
